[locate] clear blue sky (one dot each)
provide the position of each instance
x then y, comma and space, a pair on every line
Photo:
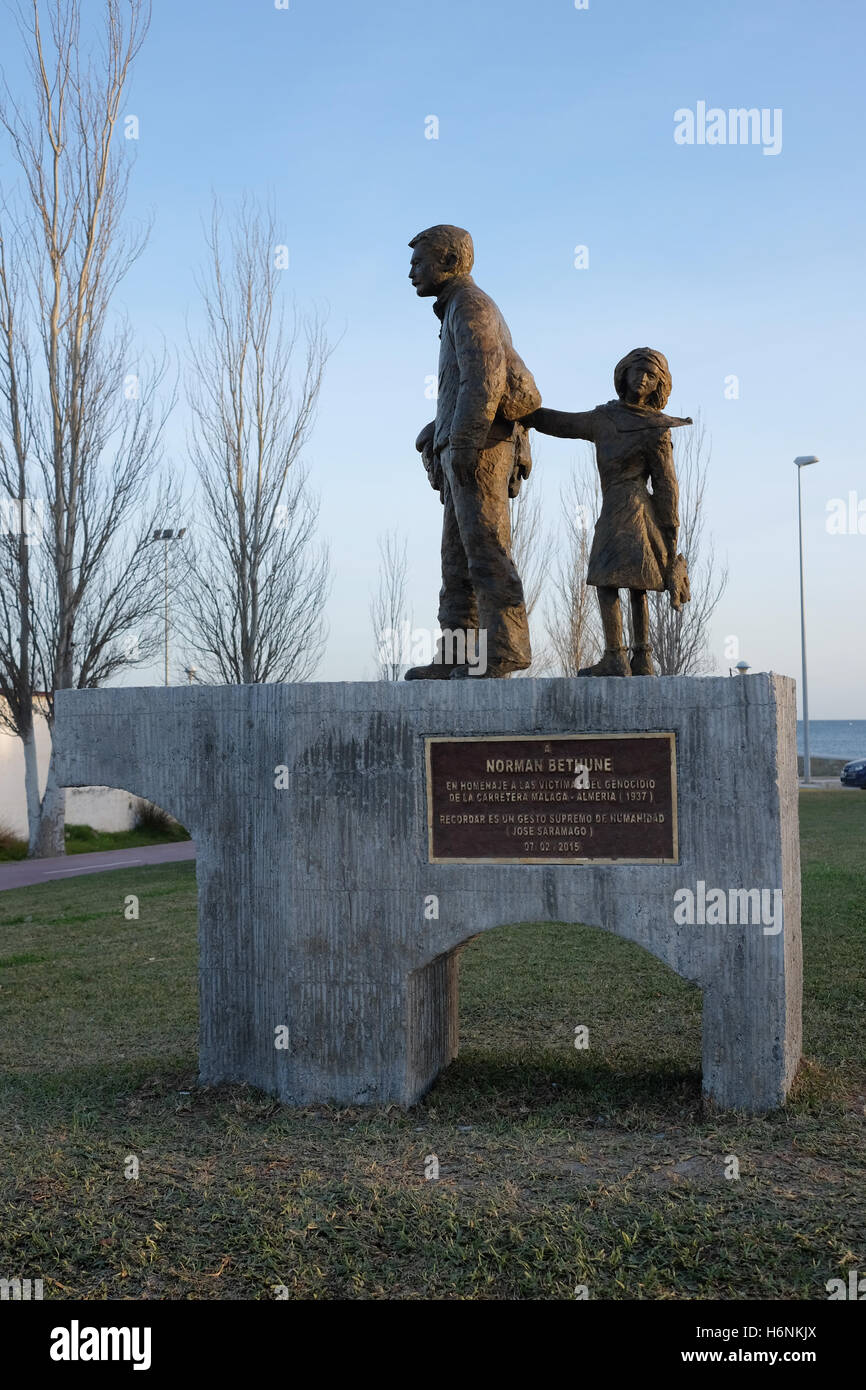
556, 128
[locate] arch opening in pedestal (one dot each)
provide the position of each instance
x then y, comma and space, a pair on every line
507, 1010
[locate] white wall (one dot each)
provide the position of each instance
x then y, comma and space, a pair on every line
102, 807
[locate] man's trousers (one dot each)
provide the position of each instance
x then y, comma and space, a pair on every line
481, 589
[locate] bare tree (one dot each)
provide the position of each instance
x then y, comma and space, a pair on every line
572, 612
20, 528
258, 579
530, 549
529, 544
80, 428
388, 613
680, 640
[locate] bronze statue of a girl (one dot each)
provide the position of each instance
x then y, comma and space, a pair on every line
635, 541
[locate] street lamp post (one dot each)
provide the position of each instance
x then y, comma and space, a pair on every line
802, 461
167, 536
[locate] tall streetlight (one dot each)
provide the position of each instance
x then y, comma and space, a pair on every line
802, 461
167, 536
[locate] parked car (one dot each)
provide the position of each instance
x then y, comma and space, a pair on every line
854, 774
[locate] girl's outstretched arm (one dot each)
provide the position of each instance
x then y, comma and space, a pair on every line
565, 424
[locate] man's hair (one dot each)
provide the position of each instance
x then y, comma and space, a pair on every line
445, 239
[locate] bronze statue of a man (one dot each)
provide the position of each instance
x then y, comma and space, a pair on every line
476, 455
635, 541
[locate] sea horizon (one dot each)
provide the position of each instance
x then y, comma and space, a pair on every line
834, 738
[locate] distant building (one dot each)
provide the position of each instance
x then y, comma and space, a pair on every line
104, 808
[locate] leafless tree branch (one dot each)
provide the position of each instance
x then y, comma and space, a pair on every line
81, 422
258, 578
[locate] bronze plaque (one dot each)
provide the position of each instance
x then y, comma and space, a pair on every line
557, 799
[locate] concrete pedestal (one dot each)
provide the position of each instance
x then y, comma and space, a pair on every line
308, 806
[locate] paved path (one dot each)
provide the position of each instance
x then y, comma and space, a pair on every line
22, 872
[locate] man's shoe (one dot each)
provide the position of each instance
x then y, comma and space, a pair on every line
498, 671
436, 671
642, 662
613, 663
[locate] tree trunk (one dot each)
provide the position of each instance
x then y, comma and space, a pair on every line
31, 787
50, 839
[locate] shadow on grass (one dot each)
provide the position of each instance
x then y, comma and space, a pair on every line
550, 1089
483, 1087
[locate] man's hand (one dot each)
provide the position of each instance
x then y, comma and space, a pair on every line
464, 466
434, 472
424, 445
425, 438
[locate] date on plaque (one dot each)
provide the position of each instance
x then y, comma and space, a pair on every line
557, 799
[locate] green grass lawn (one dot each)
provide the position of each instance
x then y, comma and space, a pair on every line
83, 839
557, 1167
822, 767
